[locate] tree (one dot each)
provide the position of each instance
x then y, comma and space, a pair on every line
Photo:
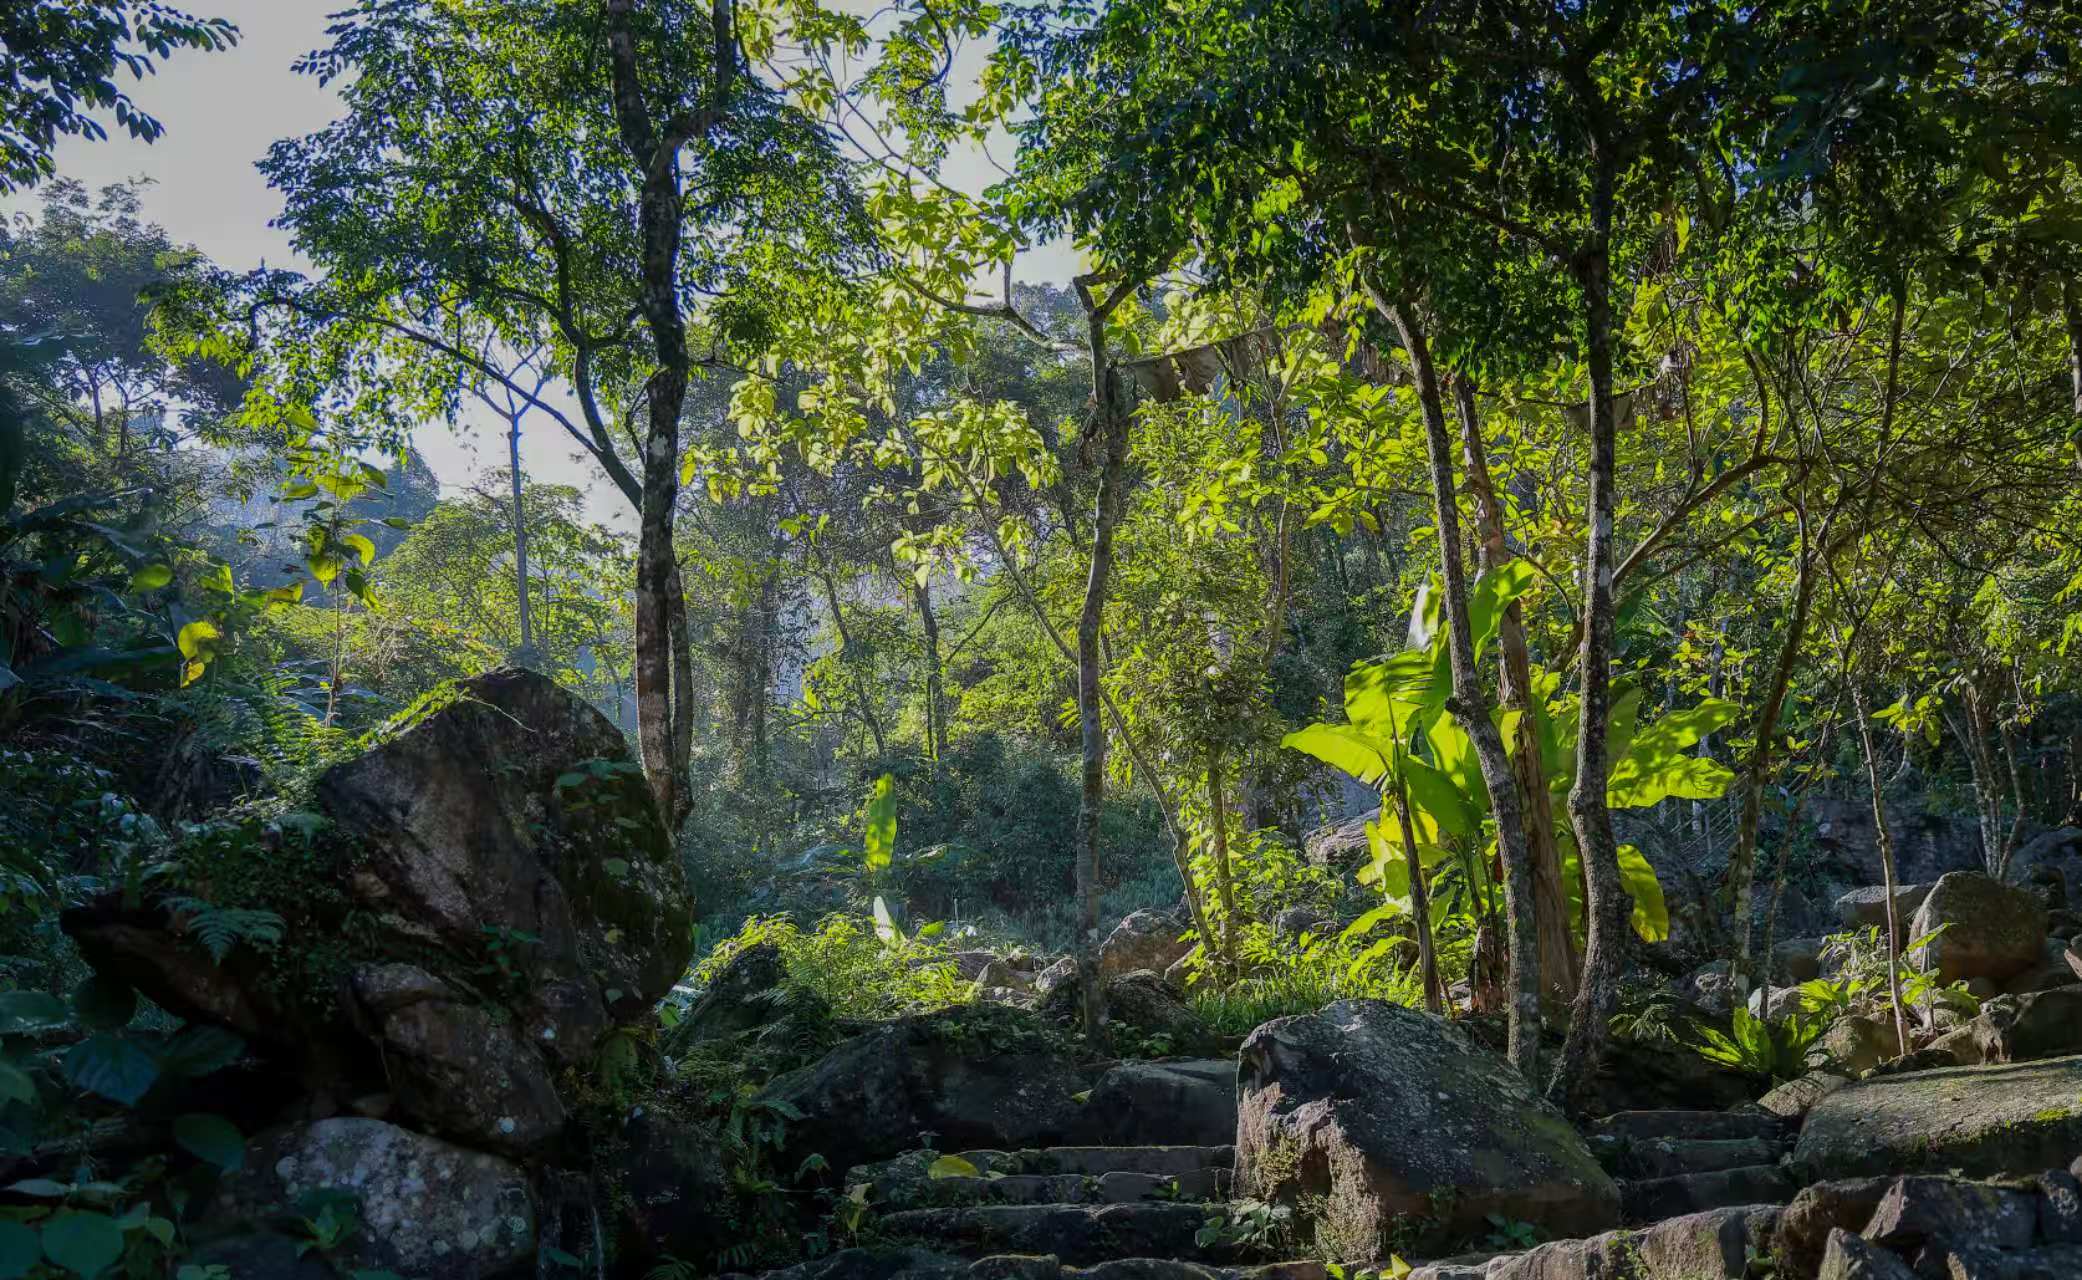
59, 66
644, 203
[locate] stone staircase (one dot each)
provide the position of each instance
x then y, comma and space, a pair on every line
1084, 1205
1672, 1163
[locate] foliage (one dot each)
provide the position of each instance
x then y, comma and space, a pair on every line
1753, 1045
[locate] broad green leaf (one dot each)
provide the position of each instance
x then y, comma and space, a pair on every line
1343, 747
1386, 689
952, 1167
111, 1065
1454, 752
879, 838
15, 1084
86, 1244
1651, 915
198, 1049
211, 1139
1494, 592
1684, 778
151, 577
1441, 799
360, 545
197, 638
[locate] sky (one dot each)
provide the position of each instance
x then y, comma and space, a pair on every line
222, 110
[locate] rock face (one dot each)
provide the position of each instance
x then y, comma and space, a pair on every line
672, 1188
1140, 1006
1990, 930
2016, 1119
987, 1076
1144, 940
427, 1209
494, 889
1387, 1114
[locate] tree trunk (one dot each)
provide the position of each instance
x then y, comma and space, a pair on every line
526, 656
1557, 951
1111, 431
1742, 859
1218, 824
935, 687
1605, 905
1420, 899
1886, 844
1469, 706
2071, 304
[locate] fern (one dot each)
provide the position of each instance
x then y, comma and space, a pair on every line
219, 929
671, 1269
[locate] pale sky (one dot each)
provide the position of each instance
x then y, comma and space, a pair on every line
222, 110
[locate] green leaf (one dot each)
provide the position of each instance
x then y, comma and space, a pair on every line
83, 1243
19, 1249
198, 1049
112, 1066
360, 545
1343, 747
151, 577
1651, 916
197, 638
952, 1167
1494, 593
22, 1011
101, 1003
879, 837
1437, 795
211, 1139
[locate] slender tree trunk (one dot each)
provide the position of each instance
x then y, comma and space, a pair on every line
2071, 305
1557, 951
1886, 844
1469, 706
520, 540
683, 692
1742, 859
935, 687
1218, 820
1420, 899
863, 693
1605, 901
1111, 432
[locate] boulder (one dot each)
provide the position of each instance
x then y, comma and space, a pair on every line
2053, 969
426, 1209
1140, 1007
1990, 929
1864, 908
1192, 1102
1797, 960
999, 975
1919, 1209
974, 1076
1854, 1044
2060, 1207
1144, 940
1849, 1257
489, 889
1378, 1113
2012, 1119
736, 1000
1795, 1098
1805, 1225
969, 965
1055, 975
2043, 1024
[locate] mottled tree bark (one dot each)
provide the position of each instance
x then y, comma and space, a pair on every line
1886, 845
935, 685
1469, 705
1557, 951
1218, 824
1605, 900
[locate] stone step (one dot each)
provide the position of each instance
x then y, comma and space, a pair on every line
1164, 1161
1625, 1157
1714, 1245
1077, 1234
1654, 1199
883, 1262
1117, 1187
1707, 1125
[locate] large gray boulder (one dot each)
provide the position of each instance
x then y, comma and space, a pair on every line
1143, 940
1866, 907
2016, 1119
1990, 929
1379, 1119
427, 1209
975, 1076
485, 892
736, 1000
2042, 1024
